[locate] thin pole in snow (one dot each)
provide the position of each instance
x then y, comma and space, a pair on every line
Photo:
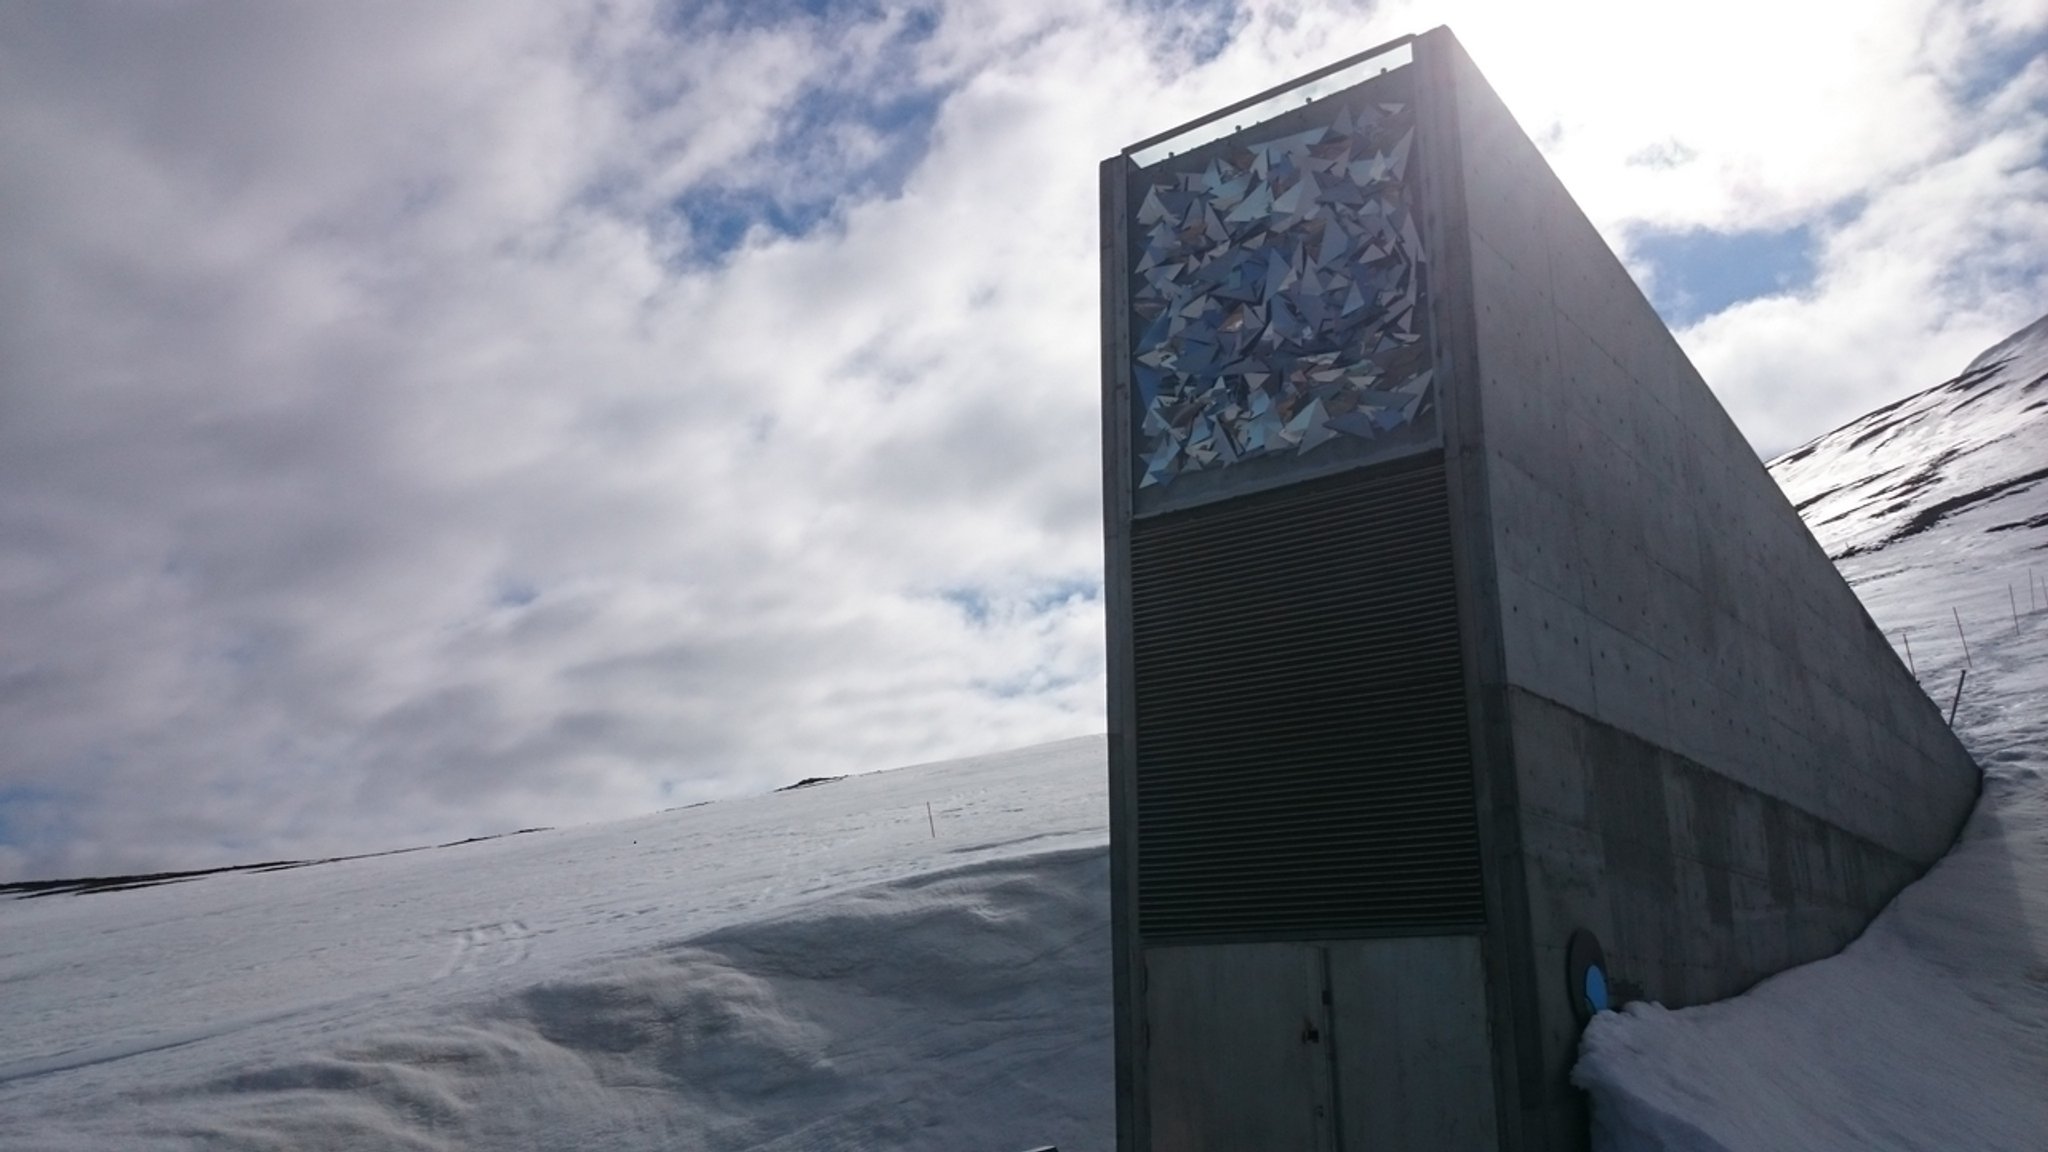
1907, 637
1967, 662
2015, 607
1960, 677
935, 824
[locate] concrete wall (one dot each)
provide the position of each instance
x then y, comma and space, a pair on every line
1717, 763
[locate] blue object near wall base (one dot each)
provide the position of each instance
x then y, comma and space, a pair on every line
1596, 989
1586, 975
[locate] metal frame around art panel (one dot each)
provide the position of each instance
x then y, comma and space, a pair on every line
1126, 953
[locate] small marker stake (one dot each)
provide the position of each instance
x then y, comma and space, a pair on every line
1967, 662
1907, 637
935, 824
1960, 677
2015, 607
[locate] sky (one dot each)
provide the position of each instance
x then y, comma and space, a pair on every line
424, 421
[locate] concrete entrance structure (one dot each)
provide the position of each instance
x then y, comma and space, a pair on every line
1450, 615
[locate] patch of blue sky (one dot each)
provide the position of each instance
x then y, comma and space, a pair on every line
1987, 73
29, 814
1061, 592
1198, 30
1699, 272
721, 217
835, 148
836, 140
1035, 682
513, 592
973, 603
255, 647
918, 20
843, 140
980, 605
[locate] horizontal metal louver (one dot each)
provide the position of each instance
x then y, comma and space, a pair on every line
1303, 765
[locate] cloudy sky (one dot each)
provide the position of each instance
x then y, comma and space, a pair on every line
419, 421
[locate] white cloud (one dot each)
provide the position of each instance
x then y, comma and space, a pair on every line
1932, 271
381, 460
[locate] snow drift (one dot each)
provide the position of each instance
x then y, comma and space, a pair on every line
804, 970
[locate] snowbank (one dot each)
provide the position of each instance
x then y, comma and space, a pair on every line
810, 970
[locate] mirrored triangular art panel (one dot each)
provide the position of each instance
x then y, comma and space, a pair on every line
1278, 293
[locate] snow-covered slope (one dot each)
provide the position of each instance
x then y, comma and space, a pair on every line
1937, 506
1972, 451
827, 968
1931, 1030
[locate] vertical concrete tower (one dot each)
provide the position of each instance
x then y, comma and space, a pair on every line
1453, 627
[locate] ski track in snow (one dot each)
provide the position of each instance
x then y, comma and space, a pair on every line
487, 946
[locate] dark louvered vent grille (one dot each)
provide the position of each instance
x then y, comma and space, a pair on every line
1303, 764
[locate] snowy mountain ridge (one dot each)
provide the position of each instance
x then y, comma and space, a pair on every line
1974, 447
